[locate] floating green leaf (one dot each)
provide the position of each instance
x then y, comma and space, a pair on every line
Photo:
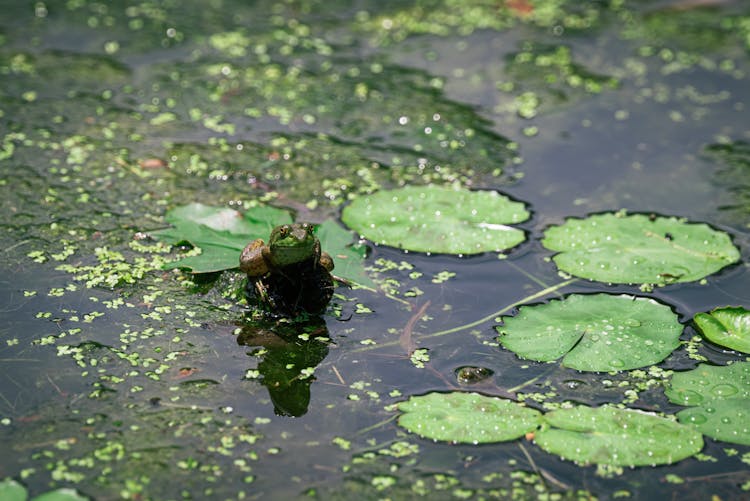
60, 495
619, 248
708, 382
466, 417
728, 326
719, 398
222, 233
618, 437
438, 219
10, 490
347, 257
594, 332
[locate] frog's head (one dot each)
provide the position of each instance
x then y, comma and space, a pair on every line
292, 243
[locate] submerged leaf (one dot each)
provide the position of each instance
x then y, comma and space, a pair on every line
466, 418
728, 326
636, 248
610, 436
719, 398
593, 332
438, 219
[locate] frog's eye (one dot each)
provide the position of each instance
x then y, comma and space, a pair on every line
309, 228
284, 230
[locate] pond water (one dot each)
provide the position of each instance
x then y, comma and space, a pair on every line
125, 380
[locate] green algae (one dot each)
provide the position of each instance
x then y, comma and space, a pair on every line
545, 77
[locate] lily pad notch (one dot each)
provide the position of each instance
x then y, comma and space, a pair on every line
438, 219
593, 332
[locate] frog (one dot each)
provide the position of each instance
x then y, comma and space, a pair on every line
290, 274
468, 375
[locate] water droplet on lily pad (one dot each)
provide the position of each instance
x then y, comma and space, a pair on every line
697, 418
724, 390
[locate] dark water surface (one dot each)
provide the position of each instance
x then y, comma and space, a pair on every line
126, 381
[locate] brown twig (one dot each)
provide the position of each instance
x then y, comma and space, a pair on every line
338, 374
405, 340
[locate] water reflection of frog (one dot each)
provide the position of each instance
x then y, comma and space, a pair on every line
290, 274
288, 359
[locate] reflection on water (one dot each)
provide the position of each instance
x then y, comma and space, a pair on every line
289, 354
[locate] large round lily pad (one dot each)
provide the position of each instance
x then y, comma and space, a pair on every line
619, 248
593, 332
618, 437
719, 400
466, 418
728, 326
438, 219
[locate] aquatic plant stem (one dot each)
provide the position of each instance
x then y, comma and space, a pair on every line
532, 297
533, 466
376, 425
537, 295
531, 381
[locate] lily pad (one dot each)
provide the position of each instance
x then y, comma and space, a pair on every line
222, 233
618, 437
468, 418
719, 400
10, 490
639, 249
438, 219
63, 494
593, 332
347, 257
728, 326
